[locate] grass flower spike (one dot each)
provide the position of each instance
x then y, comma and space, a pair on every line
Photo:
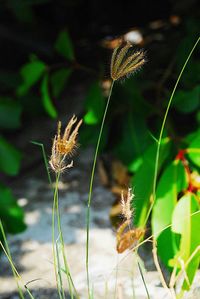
127, 237
127, 210
64, 146
126, 61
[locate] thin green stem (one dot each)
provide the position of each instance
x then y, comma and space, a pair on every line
67, 271
91, 186
116, 279
9, 254
59, 270
15, 272
45, 160
53, 234
144, 282
56, 216
162, 129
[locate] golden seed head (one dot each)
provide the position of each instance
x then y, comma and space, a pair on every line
127, 210
125, 61
64, 146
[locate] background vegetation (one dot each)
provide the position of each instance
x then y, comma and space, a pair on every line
47, 48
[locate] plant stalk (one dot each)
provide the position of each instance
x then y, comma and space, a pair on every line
91, 186
161, 132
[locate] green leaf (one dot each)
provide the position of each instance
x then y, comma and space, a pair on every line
11, 215
194, 148
10, 113
195, 243
172, 181
48, 105
167, 239
187, 225
95, 104
64, 46
59, 80
9, 158
143, 180
187, 101
31, 73
181, 223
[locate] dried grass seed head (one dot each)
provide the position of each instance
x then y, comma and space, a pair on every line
64, 145
127, 210
125, 61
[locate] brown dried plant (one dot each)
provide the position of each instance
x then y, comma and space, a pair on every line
126, 238
64, 146
126, 61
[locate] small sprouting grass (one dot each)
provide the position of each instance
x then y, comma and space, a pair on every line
16, 275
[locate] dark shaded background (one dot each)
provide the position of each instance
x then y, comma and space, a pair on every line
31, 27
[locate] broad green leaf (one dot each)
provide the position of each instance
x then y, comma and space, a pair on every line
187, 225
194, 148
64, 45
31, 73
195, 243
11, 215
181, 223
95, 104
10, 113
10, 158
167, 239
59, 80
46, 99
187, 101
172, 181
143, 180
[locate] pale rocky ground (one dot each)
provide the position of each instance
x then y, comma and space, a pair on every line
112, 275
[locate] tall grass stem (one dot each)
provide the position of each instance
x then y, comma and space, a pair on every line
144, 282
45, 160
91, 187
162, 129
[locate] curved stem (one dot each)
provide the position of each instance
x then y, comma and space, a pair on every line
162, 129
91, 187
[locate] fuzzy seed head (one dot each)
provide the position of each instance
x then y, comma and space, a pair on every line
127, 210
64, 146
125, 61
